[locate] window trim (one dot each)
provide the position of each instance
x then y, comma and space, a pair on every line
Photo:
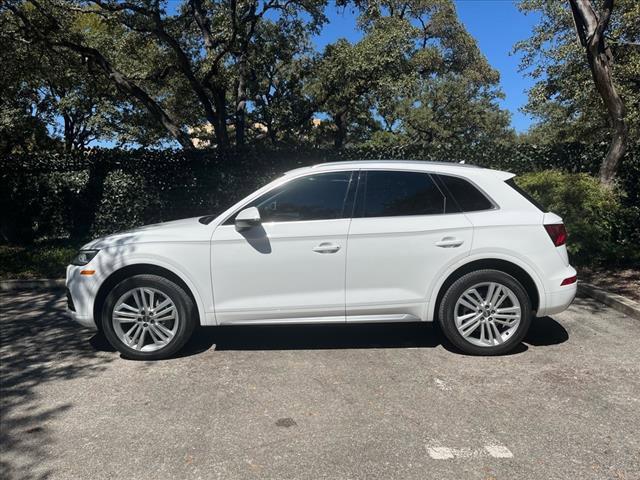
229, 220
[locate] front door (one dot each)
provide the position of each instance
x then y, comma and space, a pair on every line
291, 267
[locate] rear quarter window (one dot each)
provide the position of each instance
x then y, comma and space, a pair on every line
466, 195
512, 183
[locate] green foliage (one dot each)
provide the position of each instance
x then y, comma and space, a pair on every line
49, 98
415, 78
124, 203
601, 229
46, 260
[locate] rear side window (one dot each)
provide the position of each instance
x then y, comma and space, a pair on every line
465, 194
391, 193
512, 183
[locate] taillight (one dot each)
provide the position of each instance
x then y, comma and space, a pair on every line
557, 232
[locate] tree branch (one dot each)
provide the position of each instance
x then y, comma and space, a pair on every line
96, 57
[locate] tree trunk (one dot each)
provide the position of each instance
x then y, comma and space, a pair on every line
615, 107
68, 132
591, 28
85, 206
341, 131
241, 101
220, 126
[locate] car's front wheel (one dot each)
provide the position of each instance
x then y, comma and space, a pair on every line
486, 312
148, 317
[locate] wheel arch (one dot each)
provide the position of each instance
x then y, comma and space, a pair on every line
137, 269
506, 266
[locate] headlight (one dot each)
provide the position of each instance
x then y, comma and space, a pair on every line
83, 257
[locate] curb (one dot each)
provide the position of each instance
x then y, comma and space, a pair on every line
615, 301
46, 283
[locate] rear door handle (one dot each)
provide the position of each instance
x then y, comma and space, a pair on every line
450, 242
326, 247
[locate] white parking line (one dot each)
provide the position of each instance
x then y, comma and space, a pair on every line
441, 384
440, 453
447, 453
498, 451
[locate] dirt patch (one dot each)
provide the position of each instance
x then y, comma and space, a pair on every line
625, 282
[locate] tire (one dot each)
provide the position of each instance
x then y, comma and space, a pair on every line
158, 323
496, 331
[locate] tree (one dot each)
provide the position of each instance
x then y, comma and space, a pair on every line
23, 113
55, 26
280, 70
416, 78
555, 57
207, 43
238, 71
348, 76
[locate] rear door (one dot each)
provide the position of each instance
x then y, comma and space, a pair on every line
404, 232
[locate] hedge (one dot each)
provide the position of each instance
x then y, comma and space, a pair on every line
77, 196
602, 230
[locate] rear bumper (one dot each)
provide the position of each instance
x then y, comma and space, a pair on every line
560, 300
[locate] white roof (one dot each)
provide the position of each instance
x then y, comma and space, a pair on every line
436, 167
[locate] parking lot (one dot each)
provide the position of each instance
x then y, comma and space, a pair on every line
312, 402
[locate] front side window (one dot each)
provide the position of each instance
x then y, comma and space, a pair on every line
313, 197
397, 193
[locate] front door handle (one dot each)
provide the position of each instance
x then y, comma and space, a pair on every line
326, 247
450, 242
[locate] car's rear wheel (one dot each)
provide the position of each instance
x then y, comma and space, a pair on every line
486, 312
148, 317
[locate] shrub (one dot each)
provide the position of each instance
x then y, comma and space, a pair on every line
46, 260
124, 203
601, 230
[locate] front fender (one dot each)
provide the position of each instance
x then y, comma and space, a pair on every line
111, 260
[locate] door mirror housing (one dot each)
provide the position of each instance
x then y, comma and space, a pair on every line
247, 218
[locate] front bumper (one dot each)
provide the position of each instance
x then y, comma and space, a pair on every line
81, 292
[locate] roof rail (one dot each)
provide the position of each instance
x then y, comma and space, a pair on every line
418, 162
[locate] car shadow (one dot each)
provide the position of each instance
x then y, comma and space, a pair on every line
543, 332
39, 345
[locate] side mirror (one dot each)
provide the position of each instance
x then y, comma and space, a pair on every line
247, 218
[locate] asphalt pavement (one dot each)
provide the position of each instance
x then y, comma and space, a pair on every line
319, 402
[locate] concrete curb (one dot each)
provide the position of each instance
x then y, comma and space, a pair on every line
615, 301
45, 283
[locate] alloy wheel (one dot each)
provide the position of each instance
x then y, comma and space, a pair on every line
487, 314
145, 319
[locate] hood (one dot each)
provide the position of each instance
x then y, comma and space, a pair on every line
185, 230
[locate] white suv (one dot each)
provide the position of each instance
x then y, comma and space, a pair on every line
365, 241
